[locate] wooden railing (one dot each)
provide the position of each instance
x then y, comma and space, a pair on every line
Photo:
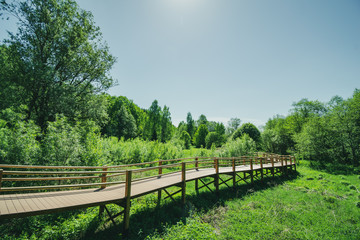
22, 178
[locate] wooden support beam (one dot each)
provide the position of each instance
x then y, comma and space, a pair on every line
243, 178
272, 165
294, 163
196, 180
206, 185
251, 170
110, 217
224, 182
216, 178
183, 182
234, 173
101, 210
170, 195
1, 174
261, 168
127, 201
158, 198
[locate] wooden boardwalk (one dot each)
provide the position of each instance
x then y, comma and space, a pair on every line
23, 204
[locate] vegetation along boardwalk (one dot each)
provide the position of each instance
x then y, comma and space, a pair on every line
29, 185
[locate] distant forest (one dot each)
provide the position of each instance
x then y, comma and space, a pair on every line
54, 72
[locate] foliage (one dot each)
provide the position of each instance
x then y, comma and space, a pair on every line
250, 129
213, 138
126, 119
185, 136
18, 144
277, 136
202, 120
200, 135
58, 60
238, 147
333, 136
190, 125
158, 124
232, 125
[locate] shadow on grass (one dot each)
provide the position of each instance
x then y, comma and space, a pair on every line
334, 168
150, 220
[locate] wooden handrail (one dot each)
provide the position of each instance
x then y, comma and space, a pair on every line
104, 174
58, 173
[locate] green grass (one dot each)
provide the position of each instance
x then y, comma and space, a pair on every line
309, 205
314, 205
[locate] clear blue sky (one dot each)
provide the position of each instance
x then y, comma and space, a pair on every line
231, 58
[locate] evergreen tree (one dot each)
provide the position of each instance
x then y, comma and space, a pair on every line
200, 135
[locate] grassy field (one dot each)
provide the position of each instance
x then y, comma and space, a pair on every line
310, 204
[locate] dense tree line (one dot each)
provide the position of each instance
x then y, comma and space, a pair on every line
323, 132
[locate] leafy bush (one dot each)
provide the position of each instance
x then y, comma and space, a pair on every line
238, 147
185, 136
213, 138
18, 144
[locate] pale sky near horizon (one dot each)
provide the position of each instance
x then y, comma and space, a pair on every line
230, 58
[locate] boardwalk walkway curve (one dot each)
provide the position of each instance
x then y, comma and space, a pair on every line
22, 191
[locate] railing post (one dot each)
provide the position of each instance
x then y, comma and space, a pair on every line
183, 182
234, 172
261, 168
160, 168
286, 164
103, 177
127, 201
295, 163
216, 180
272, 165
197, 180
1, 173
251, 170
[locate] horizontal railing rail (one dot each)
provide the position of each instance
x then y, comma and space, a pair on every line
48, 178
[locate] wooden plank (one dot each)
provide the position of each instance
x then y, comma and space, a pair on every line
17, 204
3, 207
9, 204
24, 203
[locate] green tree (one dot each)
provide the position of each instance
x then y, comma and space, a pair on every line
126, 125
200, 135
185, 136
166, 125
249, 129
213, 138
278, 135
202, 120
152, 126
232, 125
190, 125
57, 59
